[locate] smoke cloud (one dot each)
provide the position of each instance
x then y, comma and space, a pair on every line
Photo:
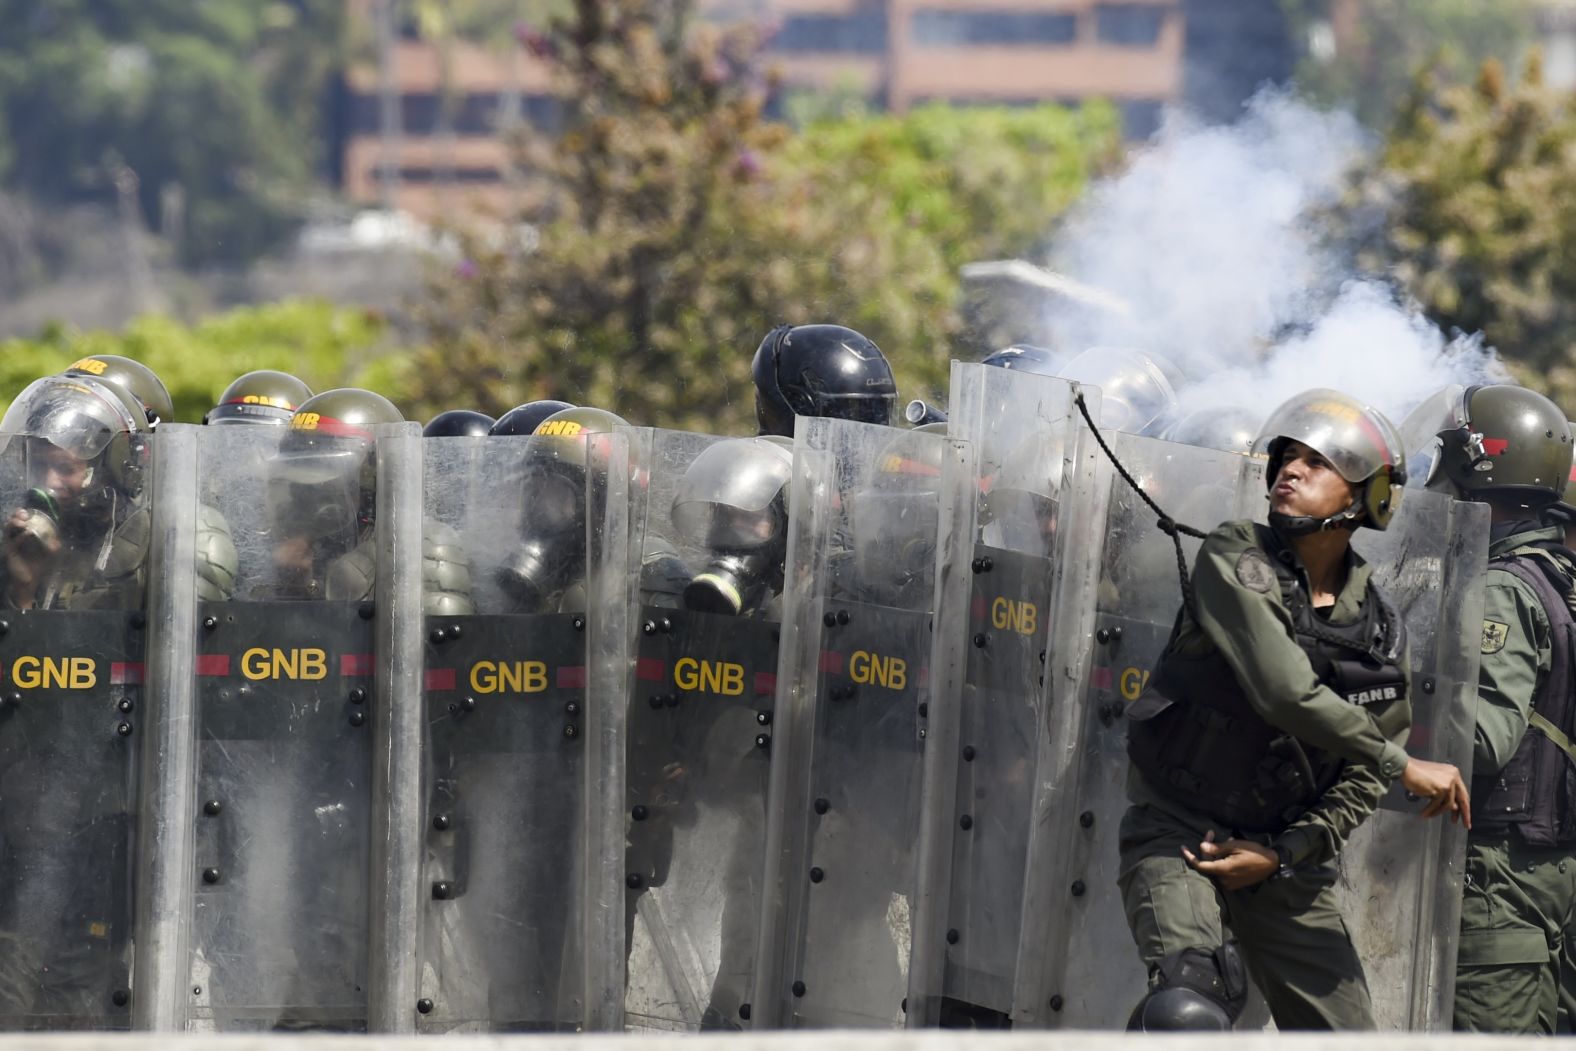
1211, 236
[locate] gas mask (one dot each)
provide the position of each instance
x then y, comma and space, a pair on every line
732, 505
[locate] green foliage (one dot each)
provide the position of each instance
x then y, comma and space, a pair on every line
216, 103
1368, 66
679, 226
327, 346
1472, 207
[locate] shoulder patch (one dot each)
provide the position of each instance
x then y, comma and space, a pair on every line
1494, 636
1254, 571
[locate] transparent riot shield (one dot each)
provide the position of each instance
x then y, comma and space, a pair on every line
279, 920
982, 751
514, 542
877, 514
705, 556
1401, 878
71, 673
1110, 623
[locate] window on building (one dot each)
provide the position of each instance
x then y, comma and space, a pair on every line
476, 114
1129, 25
937, 27
862, 31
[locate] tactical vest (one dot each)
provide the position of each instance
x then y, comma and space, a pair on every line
1195, 736
1535, 793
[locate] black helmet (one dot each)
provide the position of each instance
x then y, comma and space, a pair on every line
524, 419
458, 423
131, 376
820, 370
1498, 441
261, 396
1362, 446
1025, 357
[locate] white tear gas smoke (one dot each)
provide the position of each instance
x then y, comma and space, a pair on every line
1211, 237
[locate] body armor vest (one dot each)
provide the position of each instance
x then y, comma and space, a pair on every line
1535, 793
1195, 736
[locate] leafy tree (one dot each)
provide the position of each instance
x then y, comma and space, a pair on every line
1472, 207
679, 226
1362, 54
326, 346
207, 109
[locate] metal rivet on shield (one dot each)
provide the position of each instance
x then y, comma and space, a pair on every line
639, 812
671, 700
468, 703
1102, 636
1078, 888
842, 616
666, 624
830, 620
424, 1005
798, 987
850, 692
764, 718
634, 881
126, 704
441, 891
209, 623
980, 640
5, 626
358, 718
1042, 656
1428, 685
358, 696
138, 621
213, 808
655, 700
966, 822
952, 936
579, 623
437, 635
763, 740
365, 611
924, 710
455, 631
978, 565
571, 708
124, 729
822, 805
649, 627
1056, 1003
744, 1012
196, 990
571, 731
210, 875
120, 997
440, 822
968, 753
1086, 819
817, 875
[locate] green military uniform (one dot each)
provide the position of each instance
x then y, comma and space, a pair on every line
1516, 968
1290, 930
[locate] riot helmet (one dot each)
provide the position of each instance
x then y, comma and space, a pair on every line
1497, 442
1019, 499
1361, 444
1137, 388
1229, 430
1563, 511
524, 419
458, 423
820, 370
131, 376
563, 467
732, 504
261, 396
1025, 357
896, 515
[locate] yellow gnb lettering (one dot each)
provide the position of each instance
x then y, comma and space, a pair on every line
1133, 682
560, 428
93, 365
1022, 617
59, 673
509, 676
307, 664
874, 669
305, 421
278, 403
720, 677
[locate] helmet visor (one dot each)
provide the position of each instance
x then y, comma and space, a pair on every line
76, 413
1134, 389
1441, 413
1357, 440
727, 499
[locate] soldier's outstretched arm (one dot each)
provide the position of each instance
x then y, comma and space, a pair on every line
1515, 651
1239, 608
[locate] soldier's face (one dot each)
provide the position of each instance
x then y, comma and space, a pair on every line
63, 474
1307, 484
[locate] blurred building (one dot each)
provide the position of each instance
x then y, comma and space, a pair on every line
398, 144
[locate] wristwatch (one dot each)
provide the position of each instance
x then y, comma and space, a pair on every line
1282, 855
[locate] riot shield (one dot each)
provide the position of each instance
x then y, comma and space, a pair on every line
707, 540
507, 764
279, 916
1110, 624
1401, 878
70, 711
877, 514
980, 796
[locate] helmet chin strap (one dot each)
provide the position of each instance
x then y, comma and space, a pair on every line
1305, 525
